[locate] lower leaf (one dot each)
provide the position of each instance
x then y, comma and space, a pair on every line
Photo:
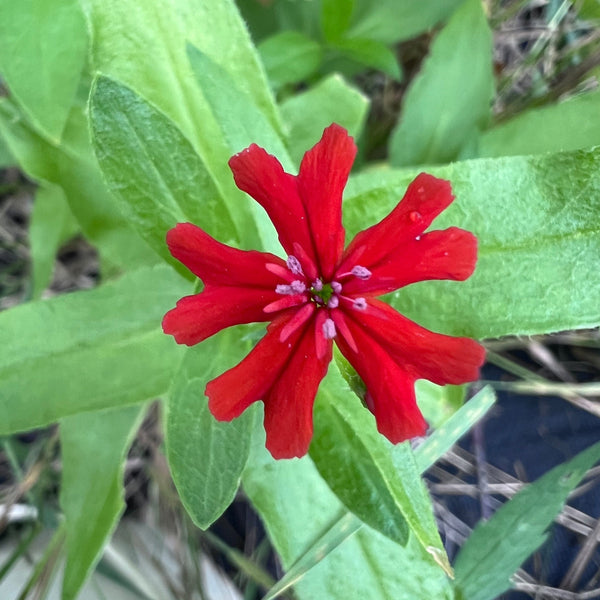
93, 446
206, 456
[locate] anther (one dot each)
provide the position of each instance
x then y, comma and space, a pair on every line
336, 286
361, 272
317, 285
294, 265
329, 329
334, 302
296, 287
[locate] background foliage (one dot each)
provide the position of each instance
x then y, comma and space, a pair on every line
124, 114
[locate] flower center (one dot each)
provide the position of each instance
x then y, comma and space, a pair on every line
322, 295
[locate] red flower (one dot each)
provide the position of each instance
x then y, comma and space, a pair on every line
322, 293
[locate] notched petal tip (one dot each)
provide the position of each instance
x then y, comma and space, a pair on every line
171, 325
403, 429
287, 451
336, 131
178, 234
466, 258
248, 150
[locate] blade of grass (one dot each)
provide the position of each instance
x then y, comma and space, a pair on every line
46, 565
22, 547
235, 557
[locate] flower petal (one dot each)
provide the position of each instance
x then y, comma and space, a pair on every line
236, 389
321, 180
286, 376
425, 198
219, 264
261, 175
439, 358
390, 389
197, 317
447, 254
289, 402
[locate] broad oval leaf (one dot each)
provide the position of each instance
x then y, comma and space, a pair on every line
536, 220
241, 123
298, 510
390, 21
347, 524
151, 168
290, 57
43, 48
143, 45
356, 463
369, 53
450, 99
88, 350
206, 456
568, 125
330, 101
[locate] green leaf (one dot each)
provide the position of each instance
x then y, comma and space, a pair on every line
347, 524
339, 532
309, 113
206, 456
6, 157
290, 57
43, 48
73, 167
88, 350
151, 168
52, 223
438, 403
241, 123
261, 19
450, 99
355, 461
298, 509
496, 548
300, 16
568, 125
370, 53
143, 45
443, 438
590, 9
91, 444
336, 16
536, 219
390, 21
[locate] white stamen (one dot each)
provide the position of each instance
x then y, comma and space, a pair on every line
361, 272
329, 331
294, 265
296, 287
317, 285
333, 302
336, 286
